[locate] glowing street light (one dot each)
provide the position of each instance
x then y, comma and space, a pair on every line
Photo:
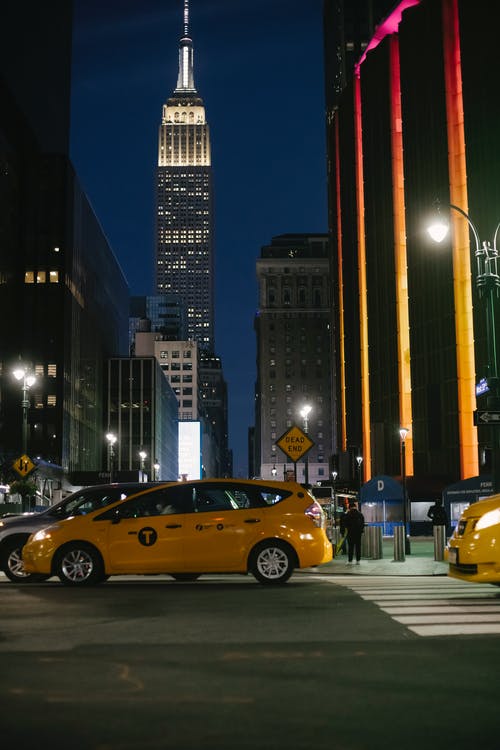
304, 413
28, 379
111, 438
488, 287
403, 432
142, 456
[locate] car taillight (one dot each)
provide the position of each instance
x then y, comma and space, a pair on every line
315, 513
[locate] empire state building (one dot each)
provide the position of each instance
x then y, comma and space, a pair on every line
184, 210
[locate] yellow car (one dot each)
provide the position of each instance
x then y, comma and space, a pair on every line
474, 548
186, 529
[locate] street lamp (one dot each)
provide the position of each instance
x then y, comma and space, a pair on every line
142, 456
359, 461
304, 413
156, 467
403, 432
488, 287
274, 471
111, 438
28, 380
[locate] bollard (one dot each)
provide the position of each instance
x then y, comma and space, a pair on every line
371, 543
439, 542
378, 549
366, 543
399, 544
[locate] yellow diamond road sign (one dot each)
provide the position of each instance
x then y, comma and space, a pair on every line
23, 465
295, 443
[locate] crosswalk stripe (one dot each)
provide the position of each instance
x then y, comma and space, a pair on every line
432, 607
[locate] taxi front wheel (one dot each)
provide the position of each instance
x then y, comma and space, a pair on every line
79, 564
272, 562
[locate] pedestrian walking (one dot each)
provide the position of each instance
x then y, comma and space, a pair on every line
354, 524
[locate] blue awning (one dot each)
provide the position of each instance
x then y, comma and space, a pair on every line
381, 488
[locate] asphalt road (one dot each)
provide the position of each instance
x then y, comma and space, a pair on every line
226, 663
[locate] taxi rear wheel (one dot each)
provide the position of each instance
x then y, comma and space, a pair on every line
272, 562
79, 564
14, 567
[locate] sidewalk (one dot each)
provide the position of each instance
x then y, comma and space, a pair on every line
419, 563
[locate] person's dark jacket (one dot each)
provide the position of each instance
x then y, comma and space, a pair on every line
353, 522
438, 515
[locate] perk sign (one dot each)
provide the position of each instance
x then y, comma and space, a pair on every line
295, 443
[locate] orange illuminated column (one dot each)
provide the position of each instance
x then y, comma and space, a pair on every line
464, 332
343, 417
363, 307
400, 260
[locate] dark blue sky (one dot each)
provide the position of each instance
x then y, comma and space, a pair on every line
258, 66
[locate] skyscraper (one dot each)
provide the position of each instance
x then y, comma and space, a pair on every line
184, 211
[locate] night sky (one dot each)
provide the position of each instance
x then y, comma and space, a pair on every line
258, 65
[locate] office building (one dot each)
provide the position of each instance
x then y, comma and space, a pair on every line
293, 353
63, 296
142, 414
414, 123
184, 207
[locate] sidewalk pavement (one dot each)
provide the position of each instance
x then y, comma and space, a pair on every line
420, 562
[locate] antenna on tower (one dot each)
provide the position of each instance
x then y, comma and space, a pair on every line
186, 17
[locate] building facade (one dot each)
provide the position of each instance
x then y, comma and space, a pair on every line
410, 323
184, 206
63, 297
293, 354
142, 414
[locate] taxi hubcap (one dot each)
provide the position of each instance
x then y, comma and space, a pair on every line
77, 565
272, 562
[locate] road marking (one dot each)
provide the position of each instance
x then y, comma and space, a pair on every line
432, 606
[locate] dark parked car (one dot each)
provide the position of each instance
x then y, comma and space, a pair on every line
15, 530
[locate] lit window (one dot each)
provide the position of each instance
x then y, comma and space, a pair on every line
54, 277
29, 277
51, 400
52, 370
41, 277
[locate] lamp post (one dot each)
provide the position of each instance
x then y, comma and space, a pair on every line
403, 432
304, 413
28, 380
488, 287
274, 471
142, 456
334, 493
111, 438
156, 467
359, 461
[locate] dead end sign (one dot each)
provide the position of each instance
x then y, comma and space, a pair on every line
295, 443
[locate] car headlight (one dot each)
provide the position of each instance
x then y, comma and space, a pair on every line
45, 533
492, 518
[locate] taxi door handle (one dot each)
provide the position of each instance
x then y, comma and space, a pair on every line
173, 526
252, 520
132, 532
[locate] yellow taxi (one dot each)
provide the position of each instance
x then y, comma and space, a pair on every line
474, 548
186, 529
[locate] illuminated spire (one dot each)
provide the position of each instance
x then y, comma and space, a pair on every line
185, 80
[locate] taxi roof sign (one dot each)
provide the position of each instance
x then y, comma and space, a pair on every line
295, 443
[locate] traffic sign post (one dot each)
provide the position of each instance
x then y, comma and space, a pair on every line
23, 465
295, 444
